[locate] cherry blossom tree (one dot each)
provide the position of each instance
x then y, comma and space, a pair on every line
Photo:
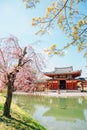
17, 67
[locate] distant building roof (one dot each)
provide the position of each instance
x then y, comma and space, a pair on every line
81, 78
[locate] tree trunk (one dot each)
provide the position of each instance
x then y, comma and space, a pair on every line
8, 101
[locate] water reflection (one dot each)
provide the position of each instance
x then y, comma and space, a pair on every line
56, 113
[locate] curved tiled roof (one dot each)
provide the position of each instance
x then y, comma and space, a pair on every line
64, 70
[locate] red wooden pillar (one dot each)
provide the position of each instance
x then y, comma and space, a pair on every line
58, 85
55, 85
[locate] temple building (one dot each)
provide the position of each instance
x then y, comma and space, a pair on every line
63, 78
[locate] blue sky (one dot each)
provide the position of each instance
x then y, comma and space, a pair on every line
15, 19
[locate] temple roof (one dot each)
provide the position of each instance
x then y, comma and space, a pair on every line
63, 70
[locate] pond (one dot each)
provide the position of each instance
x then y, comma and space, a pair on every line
55, 113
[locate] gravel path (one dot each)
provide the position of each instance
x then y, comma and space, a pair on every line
55, 94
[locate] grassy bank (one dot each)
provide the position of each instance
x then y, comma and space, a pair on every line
20, 120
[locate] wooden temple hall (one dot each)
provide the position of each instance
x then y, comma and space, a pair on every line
63, 78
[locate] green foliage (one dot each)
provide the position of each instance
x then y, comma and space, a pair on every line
1, 107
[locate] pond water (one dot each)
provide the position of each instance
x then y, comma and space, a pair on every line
55, 113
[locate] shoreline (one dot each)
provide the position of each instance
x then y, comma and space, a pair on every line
54, 94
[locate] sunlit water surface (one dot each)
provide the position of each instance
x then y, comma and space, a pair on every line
55, 113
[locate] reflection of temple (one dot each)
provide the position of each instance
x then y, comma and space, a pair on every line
67, 109
63, 78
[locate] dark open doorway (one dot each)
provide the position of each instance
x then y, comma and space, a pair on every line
62, 84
